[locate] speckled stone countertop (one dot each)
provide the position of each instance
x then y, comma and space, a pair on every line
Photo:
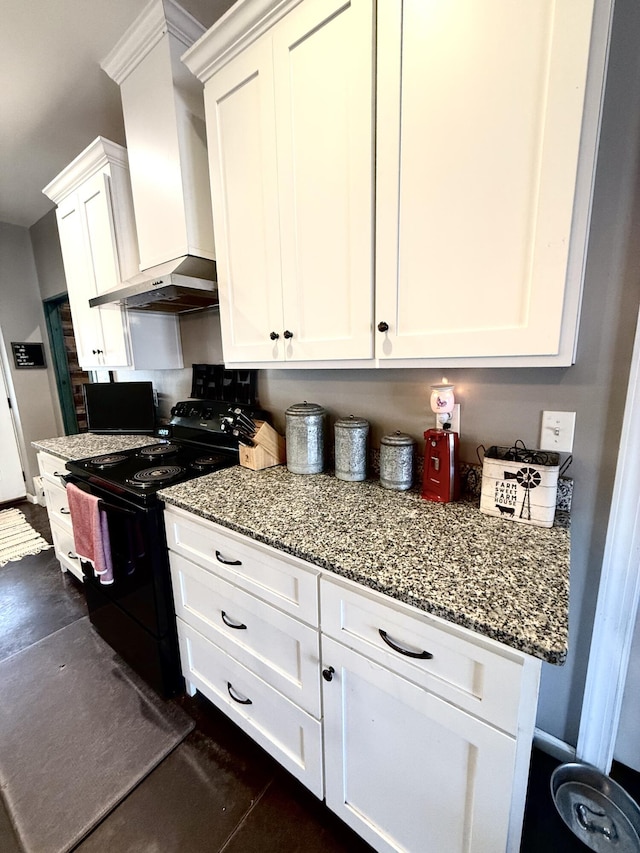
90, 444
506, 580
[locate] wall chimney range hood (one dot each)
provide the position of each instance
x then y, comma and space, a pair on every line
163, 110
184, 284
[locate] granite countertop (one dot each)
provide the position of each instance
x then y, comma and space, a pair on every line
91, 444
505, 580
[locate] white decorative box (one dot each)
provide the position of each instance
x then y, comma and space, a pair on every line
520, 484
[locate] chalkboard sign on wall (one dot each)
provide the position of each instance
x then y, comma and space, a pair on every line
28, 355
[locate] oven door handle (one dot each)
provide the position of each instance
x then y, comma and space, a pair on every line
111, 508
69, 478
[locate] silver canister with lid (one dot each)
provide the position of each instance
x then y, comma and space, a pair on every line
305, 424
396, 461
351, 448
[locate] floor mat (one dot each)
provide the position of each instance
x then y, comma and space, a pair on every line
79, 730
17, 537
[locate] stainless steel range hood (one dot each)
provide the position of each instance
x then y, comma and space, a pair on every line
177, 286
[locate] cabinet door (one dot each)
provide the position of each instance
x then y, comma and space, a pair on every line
102, 255
323, 77
480, 109
242, 165
408, 771
86, 321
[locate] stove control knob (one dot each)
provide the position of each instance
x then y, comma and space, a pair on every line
193, 412
207, 414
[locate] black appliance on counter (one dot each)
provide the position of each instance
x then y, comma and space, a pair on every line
135, 613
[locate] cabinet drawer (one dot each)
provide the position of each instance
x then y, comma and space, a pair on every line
289, 734
65, 549
281, 650
57, 504
261, 570
473, 677
51, 467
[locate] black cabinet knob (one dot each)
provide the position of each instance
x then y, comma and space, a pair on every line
274, 336
288, 334
383, 327
327, 674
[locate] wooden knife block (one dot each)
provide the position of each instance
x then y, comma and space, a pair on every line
269, 449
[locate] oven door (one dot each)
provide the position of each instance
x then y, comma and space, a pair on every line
135, 613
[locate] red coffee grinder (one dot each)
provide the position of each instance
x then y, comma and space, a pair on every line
441, 476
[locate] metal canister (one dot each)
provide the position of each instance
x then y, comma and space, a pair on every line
396, 461
351, 448
305, 424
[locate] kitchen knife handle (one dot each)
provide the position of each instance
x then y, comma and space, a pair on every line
235, 698
237, 625
224, 562
421, 655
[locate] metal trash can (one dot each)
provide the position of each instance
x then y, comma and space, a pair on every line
596, 809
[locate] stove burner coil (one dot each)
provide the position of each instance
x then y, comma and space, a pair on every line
202, 463
152, 476
107, 460
156, 450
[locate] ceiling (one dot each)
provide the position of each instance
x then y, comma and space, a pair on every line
54, 97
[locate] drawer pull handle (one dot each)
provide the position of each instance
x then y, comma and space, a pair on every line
72, 555
59, 473
222, 560
235, 698
327, 673
237, 625
64, 511
421, 655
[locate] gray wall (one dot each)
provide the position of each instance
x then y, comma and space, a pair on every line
37, 411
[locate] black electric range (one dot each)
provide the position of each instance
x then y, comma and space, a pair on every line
195, 442
135, 612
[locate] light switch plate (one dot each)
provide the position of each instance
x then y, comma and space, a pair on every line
557, 431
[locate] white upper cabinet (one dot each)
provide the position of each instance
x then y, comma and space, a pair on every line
483, 188
485, 138
99, 251
289, 126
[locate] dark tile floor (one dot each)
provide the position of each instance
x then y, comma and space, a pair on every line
218, 791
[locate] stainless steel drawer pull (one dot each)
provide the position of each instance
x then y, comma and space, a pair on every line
222, 560
64, 511
72, 555
235, 697
237, 625
396, 648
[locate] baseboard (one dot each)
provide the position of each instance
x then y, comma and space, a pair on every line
33, 499
554, 746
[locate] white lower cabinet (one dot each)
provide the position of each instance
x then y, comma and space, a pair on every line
407, 770
417, 732
51, 468
257, 662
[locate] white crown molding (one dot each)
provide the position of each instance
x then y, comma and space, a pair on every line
241, 25
157, 19
99, 153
